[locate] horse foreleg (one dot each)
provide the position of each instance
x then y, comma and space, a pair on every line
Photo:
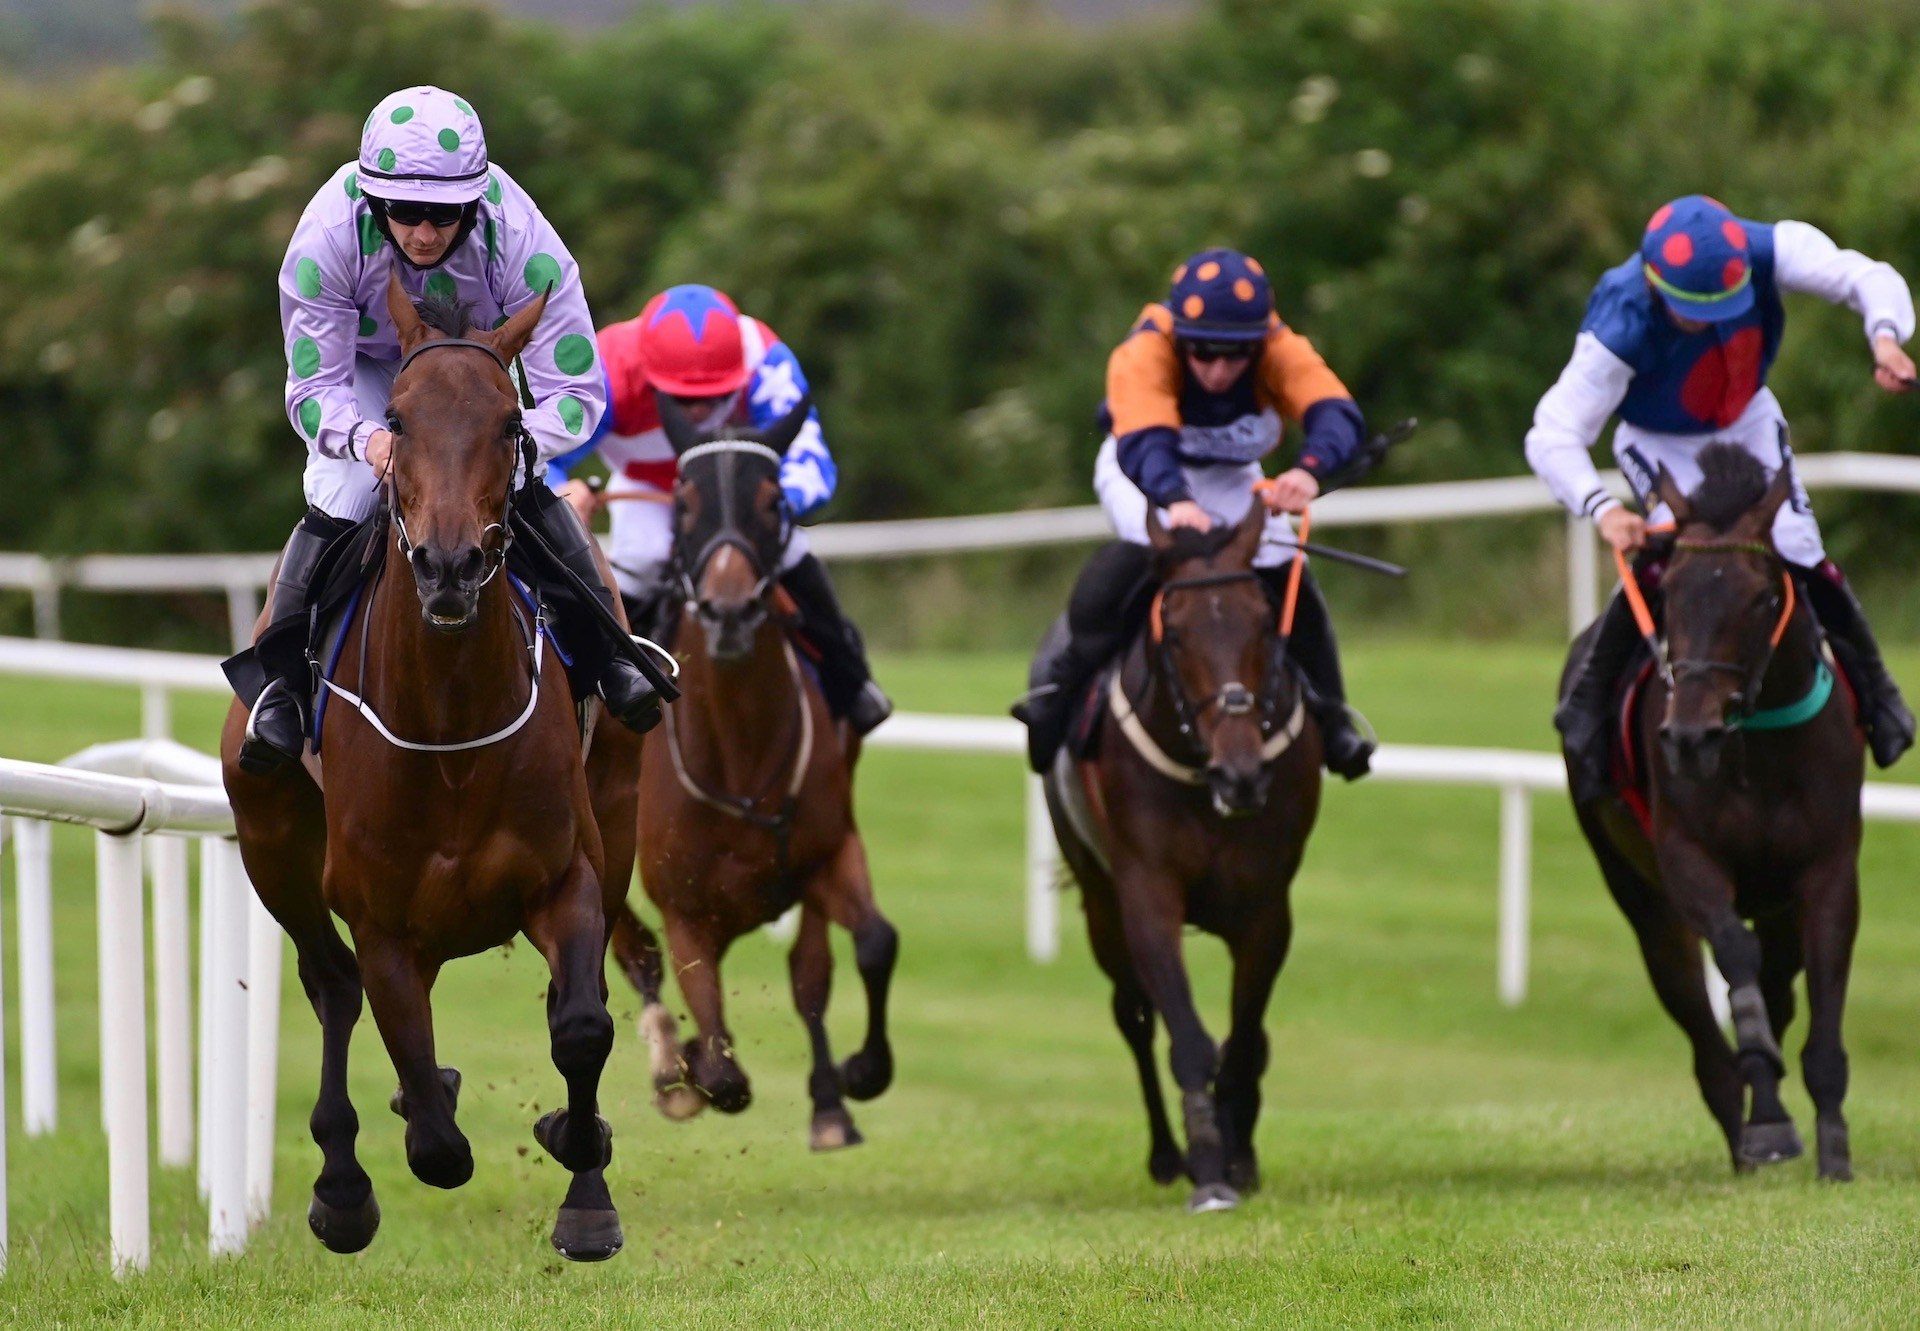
1133, 1014
398, 984
810, 969
1151, 915
570, 931
343, 1214
1259, 951
709, 1056
1830, 918
847, 895
1705, 895
637, 952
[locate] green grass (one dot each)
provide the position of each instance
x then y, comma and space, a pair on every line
1431, 1157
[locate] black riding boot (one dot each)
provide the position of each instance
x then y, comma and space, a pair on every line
1890, 725
647, 609
277, 727
1348, 750
1107, 601
1582, 718
628, 695
845, 674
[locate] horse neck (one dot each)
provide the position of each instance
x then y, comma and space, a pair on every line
740, 718
439, 681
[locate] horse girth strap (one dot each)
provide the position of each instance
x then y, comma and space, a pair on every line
1156, 757
741, 806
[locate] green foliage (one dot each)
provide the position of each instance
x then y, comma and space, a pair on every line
951, 224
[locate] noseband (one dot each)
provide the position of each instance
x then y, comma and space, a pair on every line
731, 530
524, 445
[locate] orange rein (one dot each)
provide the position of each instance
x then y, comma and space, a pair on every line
1293, 575
1643, 617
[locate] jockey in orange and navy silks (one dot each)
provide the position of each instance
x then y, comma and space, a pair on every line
1198, 394
1677, 343
723, 368
425, 204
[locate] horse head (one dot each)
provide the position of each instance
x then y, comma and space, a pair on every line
1212, 636
457, 432
731, 523
1726, 593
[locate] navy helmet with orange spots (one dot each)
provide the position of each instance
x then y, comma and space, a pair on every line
1696, 255
1220, 295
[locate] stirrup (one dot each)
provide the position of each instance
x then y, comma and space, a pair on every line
260, 755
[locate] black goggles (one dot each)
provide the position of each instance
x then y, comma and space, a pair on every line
1213, 351
412, 212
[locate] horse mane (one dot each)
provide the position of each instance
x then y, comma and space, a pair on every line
1185, 543
449, 314
1732, 483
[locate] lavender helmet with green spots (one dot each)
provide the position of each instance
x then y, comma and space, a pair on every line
426, 145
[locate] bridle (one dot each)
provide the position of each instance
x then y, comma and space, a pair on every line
496, 556
731, 529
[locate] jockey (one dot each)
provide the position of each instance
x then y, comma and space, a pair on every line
723, 368
1677, 342
1195, 398
424, 202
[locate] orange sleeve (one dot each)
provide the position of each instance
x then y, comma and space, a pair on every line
1293, 375
1143, 376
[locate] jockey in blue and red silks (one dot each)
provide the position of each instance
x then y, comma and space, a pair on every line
1677, 342
424, 203
722, 368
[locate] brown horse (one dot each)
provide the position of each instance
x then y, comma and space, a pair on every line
1195, 811
746, 800
1755, 815
456, 811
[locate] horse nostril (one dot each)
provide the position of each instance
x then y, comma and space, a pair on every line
471, 563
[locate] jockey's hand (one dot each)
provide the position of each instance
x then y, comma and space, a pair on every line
380, 452
1186, 513
584, 499
1623, 529
1289, 492
1892, 367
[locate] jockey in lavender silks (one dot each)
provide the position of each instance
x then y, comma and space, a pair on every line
1677, 342
423, 202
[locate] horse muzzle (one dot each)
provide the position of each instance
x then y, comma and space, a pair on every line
730, 627
1693, 751
449, 585
1237, 792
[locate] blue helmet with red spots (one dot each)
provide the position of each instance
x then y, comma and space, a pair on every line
690, 343
1221, 295
1696, 255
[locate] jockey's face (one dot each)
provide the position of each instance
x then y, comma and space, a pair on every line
1216, 373
701, 410
423, 243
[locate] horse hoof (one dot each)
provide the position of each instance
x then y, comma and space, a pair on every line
1164, 1166
344, 1229
1210, 1197
1836, 1154
833, 1130
1770, 1143
678, 1101
583, 1235
441, 1167
552, 1129
1243, 1174
731, 1096
449, 1077
864, 1076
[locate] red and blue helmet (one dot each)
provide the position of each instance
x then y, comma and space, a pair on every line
1220, 295
690, 344
1697, 256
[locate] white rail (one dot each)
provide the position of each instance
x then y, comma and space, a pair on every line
242, 576
239, 984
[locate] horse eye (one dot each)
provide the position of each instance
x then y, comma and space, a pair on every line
393, 422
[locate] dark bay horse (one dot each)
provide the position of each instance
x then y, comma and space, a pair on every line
457, 812
1754, 764
1195, 811
746, 799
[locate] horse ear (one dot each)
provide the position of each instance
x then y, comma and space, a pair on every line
406, 319
511, 337
1778, 493
780, 435
1246, 536
1669, 493
681, 433
1158, 537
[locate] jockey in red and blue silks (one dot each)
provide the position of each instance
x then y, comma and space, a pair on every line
1677, 343
723, 368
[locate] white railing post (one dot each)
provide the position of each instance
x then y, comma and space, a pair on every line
33, 880
265, 955
1583, 590
172, 1000
203, 1027
243, 607
46, 606
123, 1048
156, 712
225, 1148
3, 1085
1043, 894
1516, 855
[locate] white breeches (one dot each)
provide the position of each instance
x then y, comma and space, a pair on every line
642, 538
346, 487
1225, 492
1761, 431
